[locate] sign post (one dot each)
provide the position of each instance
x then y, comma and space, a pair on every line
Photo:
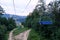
46, 22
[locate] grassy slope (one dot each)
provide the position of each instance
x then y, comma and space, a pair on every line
6, 36
19, 30
33, 35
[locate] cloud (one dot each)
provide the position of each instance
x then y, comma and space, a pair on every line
19, 6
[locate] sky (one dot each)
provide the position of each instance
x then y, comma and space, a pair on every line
20, 6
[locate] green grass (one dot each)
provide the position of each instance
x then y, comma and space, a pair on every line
33, 35
6, 36
19, 30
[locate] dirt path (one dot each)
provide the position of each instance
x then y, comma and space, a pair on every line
11, 35
23, 35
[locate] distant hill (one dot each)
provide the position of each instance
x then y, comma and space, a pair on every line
15, 17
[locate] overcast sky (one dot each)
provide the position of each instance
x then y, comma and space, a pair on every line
19, 6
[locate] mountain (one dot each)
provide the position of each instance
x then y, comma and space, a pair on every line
15, 17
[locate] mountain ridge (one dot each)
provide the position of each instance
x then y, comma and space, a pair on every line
15, 17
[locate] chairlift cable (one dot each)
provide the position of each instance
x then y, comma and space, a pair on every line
27, 5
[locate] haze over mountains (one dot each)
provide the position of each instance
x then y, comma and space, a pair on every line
15, 17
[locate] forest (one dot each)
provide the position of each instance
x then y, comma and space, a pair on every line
45, 20
6, 25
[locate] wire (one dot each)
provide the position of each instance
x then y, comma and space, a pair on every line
27, 5
14, 7
24, 9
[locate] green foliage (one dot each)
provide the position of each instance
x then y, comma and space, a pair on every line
56, 12
48, 32
2, 31
6, 36
32, 20
5, 25
3, 21
33, 35
11, 24
19, 30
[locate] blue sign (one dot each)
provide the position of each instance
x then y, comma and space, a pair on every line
46, 22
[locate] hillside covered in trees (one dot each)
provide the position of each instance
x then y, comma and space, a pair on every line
6, 25
45, 20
